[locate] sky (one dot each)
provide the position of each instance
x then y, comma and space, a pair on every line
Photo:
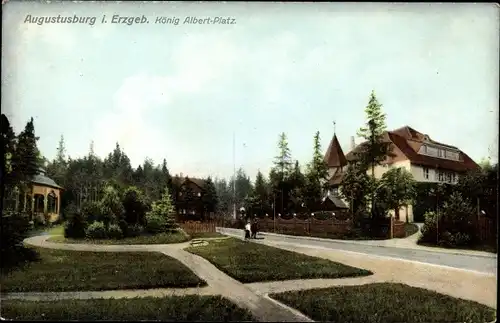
181, 91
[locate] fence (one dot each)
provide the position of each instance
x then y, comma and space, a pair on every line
378, 228
398, 229
309, 226
197, 227
487, 229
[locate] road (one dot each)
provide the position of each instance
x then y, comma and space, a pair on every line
468, 262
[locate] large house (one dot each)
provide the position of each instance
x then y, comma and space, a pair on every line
188, 197
426, 159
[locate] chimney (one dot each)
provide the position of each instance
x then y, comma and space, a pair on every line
181, 175
353, 143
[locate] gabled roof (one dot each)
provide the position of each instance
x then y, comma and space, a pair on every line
336, 201
406, 143
334, 156
182, 180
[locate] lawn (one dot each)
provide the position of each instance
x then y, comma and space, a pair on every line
175, 308
253, 262
383, 302
161, 238
60, 270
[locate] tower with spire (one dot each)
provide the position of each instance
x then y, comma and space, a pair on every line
335, 160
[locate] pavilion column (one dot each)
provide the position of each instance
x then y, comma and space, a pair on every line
58, 211
45, 200
32, 211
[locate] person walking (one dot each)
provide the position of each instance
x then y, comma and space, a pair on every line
255, 228
248, 229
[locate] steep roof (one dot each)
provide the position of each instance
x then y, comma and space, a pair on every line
406, 142
41, 179
334, 156
336, 201
181, 180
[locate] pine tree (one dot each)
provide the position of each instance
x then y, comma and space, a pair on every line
209, 196
297, 185
9, 146
61, 152
375, 150
166, 176
26, 161
91, 149
281, 171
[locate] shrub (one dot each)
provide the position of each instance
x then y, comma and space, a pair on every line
155, 224
68, 211
75, 226
429, 233
135, 230
135, 205
91, 211
161, 218
456, 227
38, 221
115, 232
15, 227
96, 230
111, 206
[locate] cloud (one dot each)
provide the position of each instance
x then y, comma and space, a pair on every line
139, 95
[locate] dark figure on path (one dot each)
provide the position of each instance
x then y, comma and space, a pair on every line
248, 229
255, 228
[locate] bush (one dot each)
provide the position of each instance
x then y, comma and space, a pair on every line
135, 230
15, 227
155, 224
111, 206
161, 218
68, 211
75, 226
96, 230
429, 233
456, 227
91, 211
135, 205
115, 232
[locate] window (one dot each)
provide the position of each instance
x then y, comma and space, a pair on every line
448, 177
440, 153
441, 176
426, 173
52, 202
425, 149
335, 191
180, 193
199, 194
454, 177
39, 203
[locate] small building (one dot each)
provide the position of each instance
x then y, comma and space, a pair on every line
42, 200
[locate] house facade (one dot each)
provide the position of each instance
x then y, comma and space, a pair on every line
427, 160
188, 198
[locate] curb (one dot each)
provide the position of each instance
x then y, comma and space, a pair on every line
493, 256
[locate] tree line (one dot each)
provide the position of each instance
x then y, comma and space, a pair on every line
85, 178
